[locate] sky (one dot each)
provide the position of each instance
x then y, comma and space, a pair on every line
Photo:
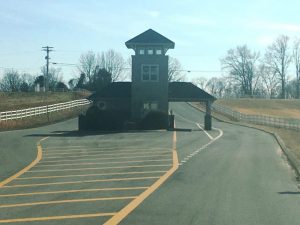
203, 31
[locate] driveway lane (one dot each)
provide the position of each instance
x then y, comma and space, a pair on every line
242, 178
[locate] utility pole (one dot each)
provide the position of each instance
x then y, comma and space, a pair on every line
47, 49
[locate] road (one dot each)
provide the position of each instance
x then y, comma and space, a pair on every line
230, 175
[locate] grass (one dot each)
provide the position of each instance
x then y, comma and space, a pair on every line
21, 100
289, 109
14, 101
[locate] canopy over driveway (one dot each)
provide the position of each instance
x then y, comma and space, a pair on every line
188, 92
120, 93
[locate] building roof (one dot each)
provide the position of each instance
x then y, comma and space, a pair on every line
113, 90
150, 37
178, 92
186, 91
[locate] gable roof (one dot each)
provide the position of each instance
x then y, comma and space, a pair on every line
150, 37
178, 92
186, 91
113, 90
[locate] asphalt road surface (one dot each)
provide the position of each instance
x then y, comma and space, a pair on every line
230, 175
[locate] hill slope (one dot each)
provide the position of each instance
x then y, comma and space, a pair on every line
289, 108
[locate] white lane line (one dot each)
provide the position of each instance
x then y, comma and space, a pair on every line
197, 124
197, 151
210, 137
202, 147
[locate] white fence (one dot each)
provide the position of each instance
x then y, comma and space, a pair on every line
286, 123
22, 113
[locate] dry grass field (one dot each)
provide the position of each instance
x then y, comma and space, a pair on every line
289, 108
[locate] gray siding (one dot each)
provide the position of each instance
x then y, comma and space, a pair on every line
145, 91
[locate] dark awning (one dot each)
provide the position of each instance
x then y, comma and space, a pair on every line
178, 92
187, 92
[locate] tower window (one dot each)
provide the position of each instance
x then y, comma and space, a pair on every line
150, 73
150, 51
150, 106
158, 51
141, 51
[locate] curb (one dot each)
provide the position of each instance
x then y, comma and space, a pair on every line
292, 159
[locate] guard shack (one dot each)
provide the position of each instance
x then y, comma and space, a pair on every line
150, 89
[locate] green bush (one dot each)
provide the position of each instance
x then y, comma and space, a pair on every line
96, 119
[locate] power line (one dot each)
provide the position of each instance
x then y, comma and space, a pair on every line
64, 64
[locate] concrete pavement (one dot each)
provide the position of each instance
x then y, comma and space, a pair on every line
243, 178
231, 175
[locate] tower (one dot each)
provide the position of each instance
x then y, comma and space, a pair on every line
149, 89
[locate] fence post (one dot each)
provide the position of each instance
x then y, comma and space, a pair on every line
48, 113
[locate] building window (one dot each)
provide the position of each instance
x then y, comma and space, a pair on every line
142, 52
150, 51
150, 72
148, 106
158, 51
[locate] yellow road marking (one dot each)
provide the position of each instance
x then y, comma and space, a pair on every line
67, 201
79, 182
118, 217
32, 164
56, 217
100, 168
73, 191
95, 151
101, 158
88, 175
102, 150
78, 148
103, 163
63, 147
112, 154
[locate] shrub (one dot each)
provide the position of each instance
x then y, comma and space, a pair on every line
154, 120
97, 119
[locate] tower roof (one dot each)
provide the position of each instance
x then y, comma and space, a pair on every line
150, 37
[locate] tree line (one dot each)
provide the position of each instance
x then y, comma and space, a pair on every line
251, 74
94, 71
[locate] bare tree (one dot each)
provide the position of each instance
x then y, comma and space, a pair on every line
112, 62
87, 65
241, 63
216, 86
54, 76
27, 82
296, 57
278, 59
269, 80
175, 70
11, 81
200, 82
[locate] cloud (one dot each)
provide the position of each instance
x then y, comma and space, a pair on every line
286, 27
265, 40
281, 27
153, 14
191, 20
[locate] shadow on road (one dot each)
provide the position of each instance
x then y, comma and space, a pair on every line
289, 193
76, 133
